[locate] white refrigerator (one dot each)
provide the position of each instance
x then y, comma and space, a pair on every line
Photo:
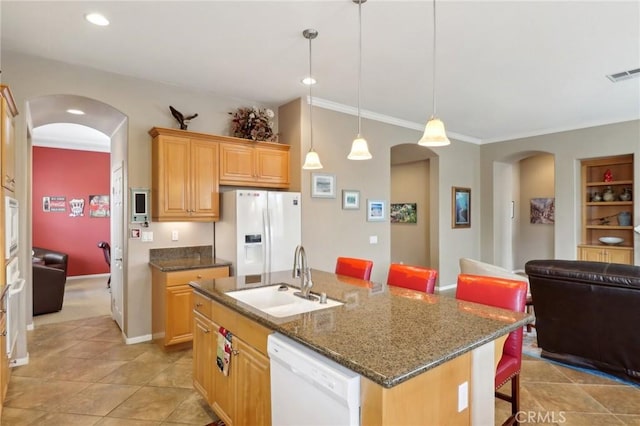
258, 231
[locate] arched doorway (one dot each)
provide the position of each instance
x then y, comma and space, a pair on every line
97, 115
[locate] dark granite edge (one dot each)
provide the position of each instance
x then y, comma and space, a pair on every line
181, 265
265, 320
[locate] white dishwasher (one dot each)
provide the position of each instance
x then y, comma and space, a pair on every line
310, 389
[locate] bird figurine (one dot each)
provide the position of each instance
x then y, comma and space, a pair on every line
181, 118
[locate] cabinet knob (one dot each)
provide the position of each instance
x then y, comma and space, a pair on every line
206, 331
235, 352
199, 276
198, 304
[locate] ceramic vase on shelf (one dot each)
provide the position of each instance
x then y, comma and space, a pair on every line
624, 219
596, 196
608, 195
625, 195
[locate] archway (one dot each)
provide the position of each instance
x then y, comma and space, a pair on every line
104, 118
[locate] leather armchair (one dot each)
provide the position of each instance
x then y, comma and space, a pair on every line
48, 289
51, 258
49, 279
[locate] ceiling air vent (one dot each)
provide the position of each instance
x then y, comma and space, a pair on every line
624, 75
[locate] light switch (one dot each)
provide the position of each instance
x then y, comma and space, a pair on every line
147, 236
373, 239
174, 235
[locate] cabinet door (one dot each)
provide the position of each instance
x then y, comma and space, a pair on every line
253, 390
591, 254
272, 166
236, 164
619, 256
202, 355
8, 148
171, 178
223, 401
179, 326
204, 179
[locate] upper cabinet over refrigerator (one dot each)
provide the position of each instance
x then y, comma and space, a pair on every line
259, 230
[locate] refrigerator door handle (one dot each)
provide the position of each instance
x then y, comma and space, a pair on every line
266, 247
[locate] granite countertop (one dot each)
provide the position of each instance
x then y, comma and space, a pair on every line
182, 258
387, 334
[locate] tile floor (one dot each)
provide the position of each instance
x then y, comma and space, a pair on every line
81, 373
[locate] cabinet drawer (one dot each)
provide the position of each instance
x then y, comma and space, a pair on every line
184, 277
202, 304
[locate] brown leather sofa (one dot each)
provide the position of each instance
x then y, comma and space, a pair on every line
49, 279
587, 314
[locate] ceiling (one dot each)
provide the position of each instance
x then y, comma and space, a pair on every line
505, 69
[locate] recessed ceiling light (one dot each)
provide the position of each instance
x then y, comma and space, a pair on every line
97, 19
309, 81
75, 111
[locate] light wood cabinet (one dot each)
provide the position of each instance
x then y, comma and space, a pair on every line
172, 303
9, 111
259, 164
243, 397
203, 355
600, 214
4, 360
184, 176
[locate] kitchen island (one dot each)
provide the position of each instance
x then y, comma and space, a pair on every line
416, 352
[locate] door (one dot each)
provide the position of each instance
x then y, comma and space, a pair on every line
117, 250
284, 230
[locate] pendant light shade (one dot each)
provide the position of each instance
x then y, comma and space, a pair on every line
312, 159
359, 146
434, 133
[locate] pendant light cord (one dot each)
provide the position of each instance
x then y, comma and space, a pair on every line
434, 58
359, 62
310, 98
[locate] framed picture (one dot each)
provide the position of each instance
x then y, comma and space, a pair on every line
99, 206
543, 210
350, 199
460, 207
404, 213
375, 210
323, 185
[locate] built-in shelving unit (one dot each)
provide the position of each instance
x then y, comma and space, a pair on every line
601, 213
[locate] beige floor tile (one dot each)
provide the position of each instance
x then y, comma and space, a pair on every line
540, 371
82, 333
67, 419
135, 373
48, 347
111, 421
577, 376
151, 403
124, 352
87, 349
563, 397
84, 370
629, 419
567, 418
98, 399
616, 398
194, 410
20, 416
25, 392
177, 376
527, 403
157, 354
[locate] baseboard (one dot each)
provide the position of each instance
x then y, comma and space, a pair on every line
82, 277
139, 339
447, 287
19, 361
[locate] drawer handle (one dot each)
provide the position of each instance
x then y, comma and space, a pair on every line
206, 331
198, 305
235, 352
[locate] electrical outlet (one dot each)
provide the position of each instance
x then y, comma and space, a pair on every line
373, 239
147, 236
174, 235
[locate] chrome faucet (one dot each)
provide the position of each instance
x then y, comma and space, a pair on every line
300, 269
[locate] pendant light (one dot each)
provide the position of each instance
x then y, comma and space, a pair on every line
434, 133
312, 160
359, 147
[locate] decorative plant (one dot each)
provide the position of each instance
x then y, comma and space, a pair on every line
253, 123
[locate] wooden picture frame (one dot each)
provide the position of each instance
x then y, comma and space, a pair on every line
350, 199
460, 207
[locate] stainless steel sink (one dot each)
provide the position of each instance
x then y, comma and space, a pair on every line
279, 300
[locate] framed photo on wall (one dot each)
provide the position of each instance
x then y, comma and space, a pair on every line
375, 210
350, 199
460, 207
323, 185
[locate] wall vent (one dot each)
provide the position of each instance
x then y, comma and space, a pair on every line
624, 75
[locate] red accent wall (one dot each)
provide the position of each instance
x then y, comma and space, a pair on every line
71, 174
